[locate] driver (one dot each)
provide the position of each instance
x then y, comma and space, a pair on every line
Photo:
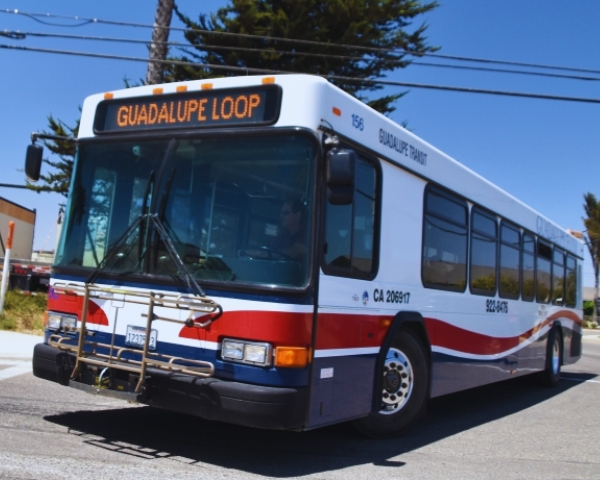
291, 237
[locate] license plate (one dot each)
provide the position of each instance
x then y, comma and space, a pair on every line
136, 337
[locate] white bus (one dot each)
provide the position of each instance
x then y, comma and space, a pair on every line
269, 251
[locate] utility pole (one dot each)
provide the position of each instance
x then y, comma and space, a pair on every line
160, 36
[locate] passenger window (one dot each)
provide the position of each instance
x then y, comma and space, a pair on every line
350, 229
558, 278
528, 268
571, 283
510, 262
543, 276
484, 240
444, 254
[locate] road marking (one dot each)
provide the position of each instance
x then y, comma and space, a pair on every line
18, 369
579, 380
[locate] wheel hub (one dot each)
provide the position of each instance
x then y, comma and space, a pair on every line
397, 381
556, 357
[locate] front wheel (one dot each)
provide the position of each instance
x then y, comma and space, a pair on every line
404, 386
551, 374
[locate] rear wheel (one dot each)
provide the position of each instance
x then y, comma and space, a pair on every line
551, 374
404, 385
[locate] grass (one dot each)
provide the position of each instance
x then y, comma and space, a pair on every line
588, 322
23, 312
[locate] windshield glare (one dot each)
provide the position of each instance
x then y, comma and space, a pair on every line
235, 209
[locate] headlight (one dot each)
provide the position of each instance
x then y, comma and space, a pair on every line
256, 353
233, 350
252, 353
57, 320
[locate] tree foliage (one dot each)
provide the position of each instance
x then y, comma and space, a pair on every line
59, 178
588, 307
376, 24
592, 236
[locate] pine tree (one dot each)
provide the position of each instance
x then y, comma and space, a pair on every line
375, 24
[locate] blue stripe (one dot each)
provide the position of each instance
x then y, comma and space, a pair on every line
276, 377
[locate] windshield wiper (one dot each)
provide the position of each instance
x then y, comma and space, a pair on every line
115, 249
144, 230
140, 221
171, 250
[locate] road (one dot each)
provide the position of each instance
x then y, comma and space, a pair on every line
510, 430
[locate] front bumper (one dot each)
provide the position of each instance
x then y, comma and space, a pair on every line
210, 398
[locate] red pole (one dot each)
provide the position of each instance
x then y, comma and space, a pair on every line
6, 267
11, 232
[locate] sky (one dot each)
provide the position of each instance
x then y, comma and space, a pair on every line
544, 152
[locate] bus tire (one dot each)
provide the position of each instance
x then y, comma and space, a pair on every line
551, 374
404, 389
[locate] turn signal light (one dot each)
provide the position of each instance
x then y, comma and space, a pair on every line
291, 357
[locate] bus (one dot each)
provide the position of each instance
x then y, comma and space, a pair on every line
268, 251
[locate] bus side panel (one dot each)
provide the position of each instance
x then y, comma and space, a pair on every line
571, 345
452, 374
341, 388
349, 333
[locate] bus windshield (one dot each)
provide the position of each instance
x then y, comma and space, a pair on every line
236, 209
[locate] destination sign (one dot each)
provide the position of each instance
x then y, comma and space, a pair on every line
206, 108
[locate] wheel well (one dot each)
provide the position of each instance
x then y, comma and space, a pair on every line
414, 323
418, 328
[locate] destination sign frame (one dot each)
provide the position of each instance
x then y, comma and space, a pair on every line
233, 107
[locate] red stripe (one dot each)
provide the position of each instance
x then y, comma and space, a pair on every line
278, 328
442, 334
343, 331
74, 304
351, 331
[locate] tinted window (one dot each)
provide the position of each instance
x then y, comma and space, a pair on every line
483, 253
510, 236
510, 260
444, 241
447, 207
558, 278
350, 229
528, 269
543, 275
571, 283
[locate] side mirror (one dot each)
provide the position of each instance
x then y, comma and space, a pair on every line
341, 165
33, 162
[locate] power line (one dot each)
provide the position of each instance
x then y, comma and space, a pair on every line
500, 70
87, 21
22, 35
247, 70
